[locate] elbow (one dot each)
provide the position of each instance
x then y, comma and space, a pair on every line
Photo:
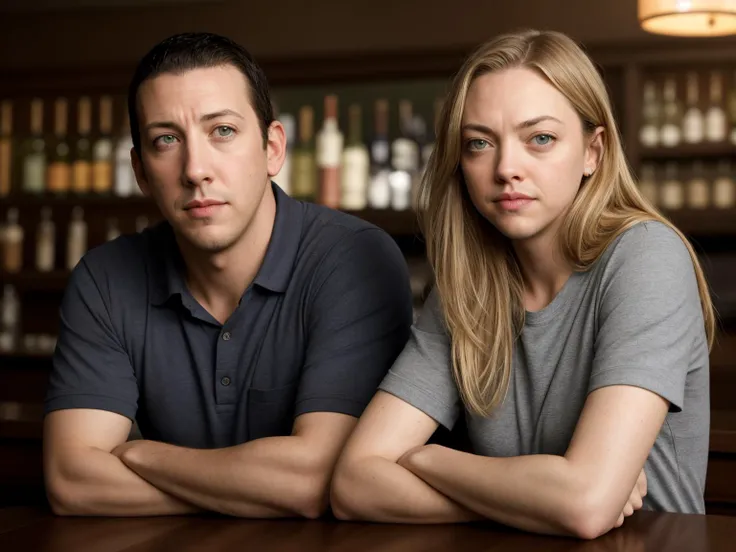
591, 517
345, 494
312, 499
64, 499
314, 504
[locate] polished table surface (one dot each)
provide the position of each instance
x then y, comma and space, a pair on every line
34, 530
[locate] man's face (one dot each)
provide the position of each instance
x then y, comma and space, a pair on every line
203, 158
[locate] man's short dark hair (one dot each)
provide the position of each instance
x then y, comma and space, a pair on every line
184, 52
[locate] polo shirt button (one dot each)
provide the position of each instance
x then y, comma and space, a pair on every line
226, 336
225, 381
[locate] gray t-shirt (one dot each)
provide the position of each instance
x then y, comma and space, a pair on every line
633, 319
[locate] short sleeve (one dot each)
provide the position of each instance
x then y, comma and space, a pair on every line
650, 323
422, 375
358, 322
90, 369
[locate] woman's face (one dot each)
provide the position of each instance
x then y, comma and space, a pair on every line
524, 152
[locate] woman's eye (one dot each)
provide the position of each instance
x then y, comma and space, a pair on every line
477, 144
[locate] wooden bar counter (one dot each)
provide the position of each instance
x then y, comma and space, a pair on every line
35, 530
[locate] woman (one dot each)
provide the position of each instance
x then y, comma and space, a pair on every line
570, 321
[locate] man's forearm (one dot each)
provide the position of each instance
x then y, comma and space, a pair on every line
539, 493
101, 485
265, 478
377, 489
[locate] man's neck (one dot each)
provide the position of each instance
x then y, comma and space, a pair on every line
218, 281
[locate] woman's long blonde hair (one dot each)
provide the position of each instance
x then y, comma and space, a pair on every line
477, 275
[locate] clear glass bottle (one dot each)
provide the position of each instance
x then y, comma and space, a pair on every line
693, 123
671, 131
715, 118
651, 111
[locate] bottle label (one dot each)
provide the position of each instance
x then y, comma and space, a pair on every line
724, 193
59, 177
304, 177
698, 194
670, 135
355, 174
405, 155
329, 149
81, 177
693, 128
379, 191
715, 127
34, 169
380, 152
400, 183
101, 176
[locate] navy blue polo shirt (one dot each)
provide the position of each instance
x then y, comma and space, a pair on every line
325, 317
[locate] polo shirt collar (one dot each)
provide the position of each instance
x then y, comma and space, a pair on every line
275, 272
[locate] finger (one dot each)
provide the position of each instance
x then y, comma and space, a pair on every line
620, 520
636, 502
628, 509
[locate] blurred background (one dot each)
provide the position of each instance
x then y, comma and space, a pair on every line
368, 77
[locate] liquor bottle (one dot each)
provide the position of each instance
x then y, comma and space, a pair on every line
671, 131
283, 178
6, 147
9, 319
125, 182
13, 243
379, 190
649, 131
698, 189
404, 159
715, 118
82, 165
330, 142
45, 242
648, 184
355, 163
59, 170
693, 123
34, 153
673, 194
102, 150
724, 188
304, 176
76, 245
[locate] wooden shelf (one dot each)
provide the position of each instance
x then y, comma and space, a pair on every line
69, 201
396, 223
689, 152
704, 222
34, 281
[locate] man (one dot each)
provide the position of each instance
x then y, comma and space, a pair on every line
245, 333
